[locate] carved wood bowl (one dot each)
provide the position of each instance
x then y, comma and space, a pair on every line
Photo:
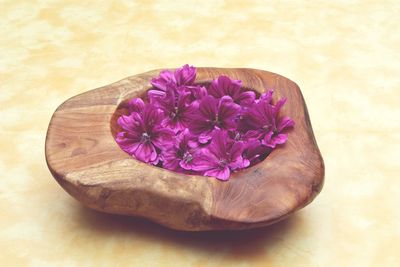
84, 158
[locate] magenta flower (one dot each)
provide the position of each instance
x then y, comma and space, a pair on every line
214, 114
183, 76
143, 135
182, 155
223, 86
275, 136
221, 156
176, 108
263, 118
193, 129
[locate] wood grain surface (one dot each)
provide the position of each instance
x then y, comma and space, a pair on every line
86, 161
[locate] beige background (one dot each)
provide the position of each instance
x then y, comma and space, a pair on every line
344, 55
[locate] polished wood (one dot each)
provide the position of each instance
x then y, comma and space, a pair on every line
86, 161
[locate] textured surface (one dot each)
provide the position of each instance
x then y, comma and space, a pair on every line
84, 158
344, 55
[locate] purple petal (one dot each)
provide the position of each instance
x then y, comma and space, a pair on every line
227, 112
136, 105
215, 90
185, 75
208, 107
286, 122
266, 141
129, 145
280, 139
170, 160
271, 141
146, 152
202, 128
198, 92
253, 150
218, 145
252, 135
186, 165
236, 150
239, 163
221, 174
267, 97
131, 123
253, 118
204, 119
162, 137
151, 117
204, 161
200, 164
247, 98
278, 106
164, 78
187, 140
193, 144
154, 95
229, 86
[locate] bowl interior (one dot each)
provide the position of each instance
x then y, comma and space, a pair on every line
122, 109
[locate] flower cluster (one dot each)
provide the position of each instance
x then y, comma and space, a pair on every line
208, 130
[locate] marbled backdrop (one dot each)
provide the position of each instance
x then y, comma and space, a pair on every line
343, 54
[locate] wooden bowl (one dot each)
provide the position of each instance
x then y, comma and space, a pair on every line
84, 158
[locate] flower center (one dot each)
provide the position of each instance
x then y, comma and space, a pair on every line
187, 157
237, 137
222, 163
174, 114
216, 120
145, 137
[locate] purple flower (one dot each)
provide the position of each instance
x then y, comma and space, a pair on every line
223, 86
183, 76
182, 155
275, 136
263, 118
214, 131
221, 156
213, 114
143, 135
176, 108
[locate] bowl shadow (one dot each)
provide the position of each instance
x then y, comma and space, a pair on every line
236, 245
